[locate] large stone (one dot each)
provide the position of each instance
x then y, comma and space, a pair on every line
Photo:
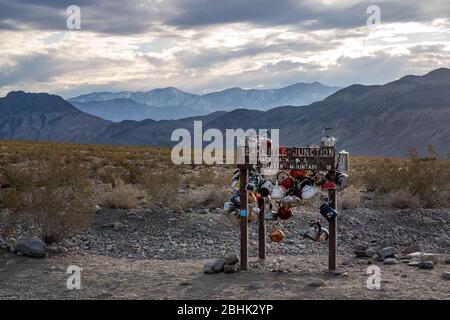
387, 252
232, 259
219, 264
426, 265
30, 247
230, 268
208, 268
429, 257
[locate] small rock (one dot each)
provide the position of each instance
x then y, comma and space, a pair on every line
426, 265
230, 268
362, 246
412, 249
390, 261
114, 225
317, 283
414, 263
185, 283
348, 262
337, 272
31, 247
445, 275
52, 249
114, 285
386, 243
429, 257
232, 259
387, 252
370, 253
413, 256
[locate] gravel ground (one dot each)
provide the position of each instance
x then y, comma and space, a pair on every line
146, 234
151, 253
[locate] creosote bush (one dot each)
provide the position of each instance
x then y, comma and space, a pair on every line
425, 180
55, 198
403, 199
123, 196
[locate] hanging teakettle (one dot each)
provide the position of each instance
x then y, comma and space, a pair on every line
316, 232
327, 140
284, 213
277, 192
308, 192
276, 235
290, 201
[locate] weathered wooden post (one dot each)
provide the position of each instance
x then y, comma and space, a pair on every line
262, 229
332, 195
244, 215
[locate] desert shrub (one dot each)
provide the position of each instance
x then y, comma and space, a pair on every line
56, 199
207, 196
424, 179
350, 198
220, 196
123, 196
403, 199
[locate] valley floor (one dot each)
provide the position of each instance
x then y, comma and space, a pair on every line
307, 278
147, 254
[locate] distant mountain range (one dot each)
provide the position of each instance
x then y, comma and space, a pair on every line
381, 120
171, 103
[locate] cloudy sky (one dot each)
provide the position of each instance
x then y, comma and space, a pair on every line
206, 45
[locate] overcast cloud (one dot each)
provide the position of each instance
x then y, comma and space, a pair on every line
206, 45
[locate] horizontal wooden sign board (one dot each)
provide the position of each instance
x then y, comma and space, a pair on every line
295, 158
313, 159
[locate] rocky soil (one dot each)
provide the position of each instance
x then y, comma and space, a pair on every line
158, 254
151, 234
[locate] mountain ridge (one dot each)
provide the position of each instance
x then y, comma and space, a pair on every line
378, 120
180, 104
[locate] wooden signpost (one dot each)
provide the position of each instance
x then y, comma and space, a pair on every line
310, 159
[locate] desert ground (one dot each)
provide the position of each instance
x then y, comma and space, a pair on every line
141, 228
